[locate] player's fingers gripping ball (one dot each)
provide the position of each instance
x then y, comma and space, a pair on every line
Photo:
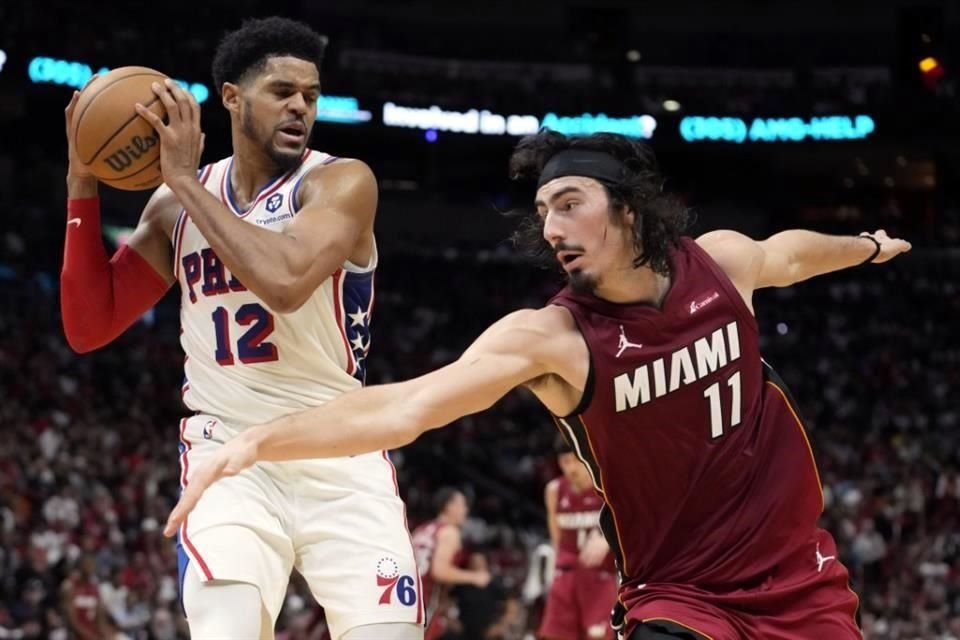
118, 146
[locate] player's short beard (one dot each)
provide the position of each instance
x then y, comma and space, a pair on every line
251, 128
582, 282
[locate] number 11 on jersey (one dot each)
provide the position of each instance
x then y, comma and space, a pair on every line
712, 393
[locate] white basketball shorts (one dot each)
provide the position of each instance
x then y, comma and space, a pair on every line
339, 521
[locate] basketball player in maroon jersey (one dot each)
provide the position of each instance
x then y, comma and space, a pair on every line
584, 587
441, 558
80, 596
650, 362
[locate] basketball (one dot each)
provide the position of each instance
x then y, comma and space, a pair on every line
118, 146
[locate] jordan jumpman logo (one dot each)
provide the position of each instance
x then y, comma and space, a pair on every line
625, 344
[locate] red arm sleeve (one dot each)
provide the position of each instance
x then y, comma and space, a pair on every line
99, 297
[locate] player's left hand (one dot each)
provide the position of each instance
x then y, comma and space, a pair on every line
889, 247
233, 457
181, 140
594, 550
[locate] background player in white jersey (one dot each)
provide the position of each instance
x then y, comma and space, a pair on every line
274, 252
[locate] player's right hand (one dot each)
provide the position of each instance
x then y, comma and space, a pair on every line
889, 247
594, 551
75, 168
481, 578
233, 457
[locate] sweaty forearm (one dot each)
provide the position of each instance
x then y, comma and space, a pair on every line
369, 419
808, 254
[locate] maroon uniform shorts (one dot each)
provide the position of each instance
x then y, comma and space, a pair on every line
579, 604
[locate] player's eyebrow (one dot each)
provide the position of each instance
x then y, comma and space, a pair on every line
286, 84
553, 198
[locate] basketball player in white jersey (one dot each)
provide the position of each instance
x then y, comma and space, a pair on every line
274, 252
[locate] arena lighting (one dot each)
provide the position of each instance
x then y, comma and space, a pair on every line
485, 122
472, 121
928, 64
44, 70
932, 71
3, 58
585, 124
341, 110
794, 129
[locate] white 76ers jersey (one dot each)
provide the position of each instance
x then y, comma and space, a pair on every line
245, 363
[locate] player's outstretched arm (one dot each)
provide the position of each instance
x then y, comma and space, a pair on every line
792, 256
517, 349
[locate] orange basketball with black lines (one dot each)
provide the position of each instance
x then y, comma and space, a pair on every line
118, 146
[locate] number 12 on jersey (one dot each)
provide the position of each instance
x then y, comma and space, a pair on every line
712, 393
251, 346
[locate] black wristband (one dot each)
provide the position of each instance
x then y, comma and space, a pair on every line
876, 250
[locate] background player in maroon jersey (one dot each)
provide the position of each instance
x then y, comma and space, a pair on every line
82, 603
441, 559
584, 586
650, 362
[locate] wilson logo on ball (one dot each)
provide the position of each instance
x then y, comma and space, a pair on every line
118, 145
124, 157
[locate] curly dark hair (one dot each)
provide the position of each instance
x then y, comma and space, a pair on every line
246, 50
443, 496
660, 218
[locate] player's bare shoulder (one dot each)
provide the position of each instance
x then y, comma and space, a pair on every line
733, 251
342, 179
738, 256
343, 193
550, 492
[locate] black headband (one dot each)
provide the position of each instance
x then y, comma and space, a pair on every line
588, 164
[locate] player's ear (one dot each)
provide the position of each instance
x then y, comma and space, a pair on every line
230, 95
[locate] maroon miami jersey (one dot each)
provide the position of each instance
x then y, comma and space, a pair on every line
84, 604
424, 540
578, 514
581, 597
711, 492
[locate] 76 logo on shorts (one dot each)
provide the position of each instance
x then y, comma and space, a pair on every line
388, 575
